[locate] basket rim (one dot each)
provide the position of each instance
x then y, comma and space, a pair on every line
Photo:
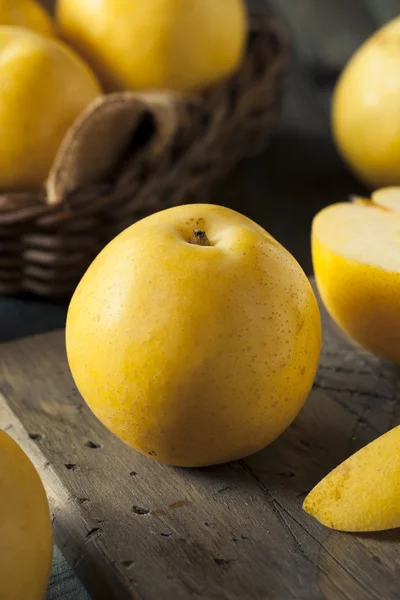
213, 131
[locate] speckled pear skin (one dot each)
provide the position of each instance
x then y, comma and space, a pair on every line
363, 493
194, 336
25, 526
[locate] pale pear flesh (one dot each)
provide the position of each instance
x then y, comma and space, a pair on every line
364, 231
388, 198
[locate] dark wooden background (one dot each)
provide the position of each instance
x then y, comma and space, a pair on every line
301, 171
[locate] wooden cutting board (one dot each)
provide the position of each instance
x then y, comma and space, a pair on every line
135, 529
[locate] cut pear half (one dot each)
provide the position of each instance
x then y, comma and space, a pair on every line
361, 230
356, 257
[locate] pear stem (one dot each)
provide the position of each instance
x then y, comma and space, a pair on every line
199, 238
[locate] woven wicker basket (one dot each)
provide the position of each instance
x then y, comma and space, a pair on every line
131, 154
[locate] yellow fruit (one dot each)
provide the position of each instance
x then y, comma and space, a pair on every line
44, 86
26, 13
363, 493
194, 336
356, 256
366, 115
25, 526
170, 44
388, 198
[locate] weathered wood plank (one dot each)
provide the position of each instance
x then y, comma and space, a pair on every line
133, 528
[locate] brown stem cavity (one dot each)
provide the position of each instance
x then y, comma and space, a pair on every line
199, 238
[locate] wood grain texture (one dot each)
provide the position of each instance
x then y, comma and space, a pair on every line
135, 529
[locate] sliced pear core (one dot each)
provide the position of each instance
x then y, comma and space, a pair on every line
360, 200
388, 197
361, 231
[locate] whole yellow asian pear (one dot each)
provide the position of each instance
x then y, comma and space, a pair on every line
44, 86
171, 44
26, 13
194, 336
365, 116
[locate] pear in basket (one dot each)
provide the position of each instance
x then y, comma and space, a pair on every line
166, 44
44, 86
26, 13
